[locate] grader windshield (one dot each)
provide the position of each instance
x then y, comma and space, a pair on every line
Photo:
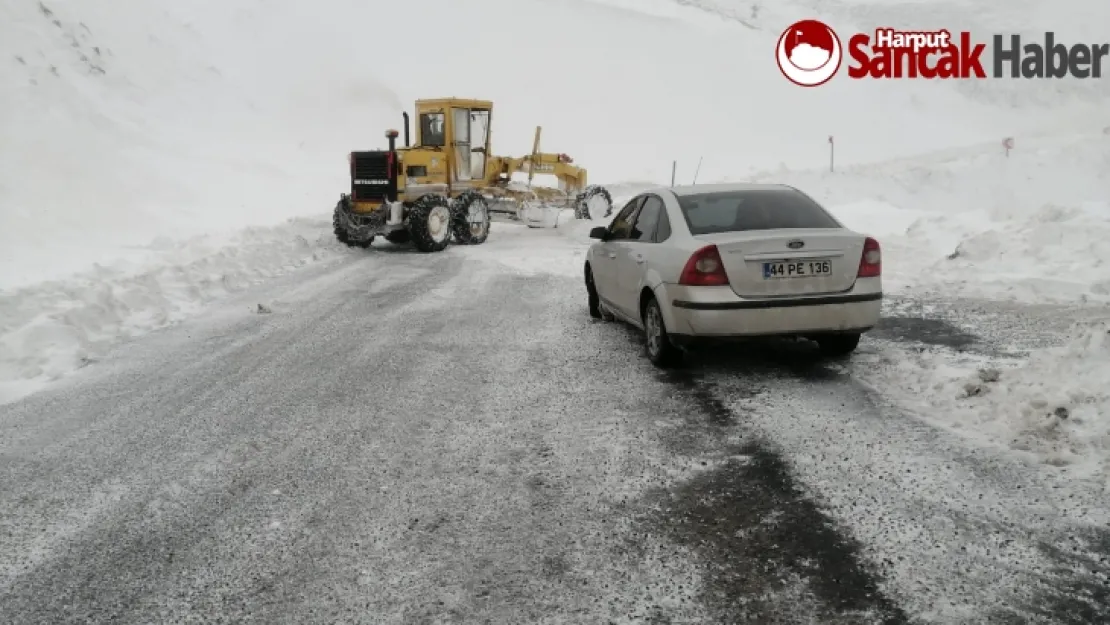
433, 130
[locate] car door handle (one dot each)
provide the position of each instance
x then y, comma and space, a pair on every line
612, 254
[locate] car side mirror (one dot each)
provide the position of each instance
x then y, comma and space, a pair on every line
599, 232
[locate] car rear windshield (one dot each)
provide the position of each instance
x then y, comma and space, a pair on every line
763, 209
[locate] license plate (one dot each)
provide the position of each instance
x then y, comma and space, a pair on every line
797, 269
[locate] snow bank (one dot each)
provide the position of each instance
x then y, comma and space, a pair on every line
1054, 406
1056, 253
51, 329
1033, 226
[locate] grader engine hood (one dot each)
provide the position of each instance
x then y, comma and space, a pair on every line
373, 177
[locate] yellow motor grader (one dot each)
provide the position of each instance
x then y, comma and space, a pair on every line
445, 185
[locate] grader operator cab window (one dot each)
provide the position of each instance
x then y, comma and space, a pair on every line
479, 134
432, 130
470, 128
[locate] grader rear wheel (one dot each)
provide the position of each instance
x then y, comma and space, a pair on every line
429, 223
470, 220
339, 226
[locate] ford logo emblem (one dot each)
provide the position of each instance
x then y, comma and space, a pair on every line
796, 244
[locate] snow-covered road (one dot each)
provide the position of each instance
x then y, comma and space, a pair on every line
413, 438
212, 411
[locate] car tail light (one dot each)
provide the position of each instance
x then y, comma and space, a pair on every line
871, 261
704, 269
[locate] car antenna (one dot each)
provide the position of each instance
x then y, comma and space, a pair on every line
696, 171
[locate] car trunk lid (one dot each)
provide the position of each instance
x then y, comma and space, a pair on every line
789, 262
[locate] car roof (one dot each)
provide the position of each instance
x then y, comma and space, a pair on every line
695, 189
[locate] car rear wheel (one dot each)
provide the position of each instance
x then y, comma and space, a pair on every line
836, 345
597, 308
592, 296
661, 352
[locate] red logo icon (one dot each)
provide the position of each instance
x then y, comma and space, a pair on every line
809, 53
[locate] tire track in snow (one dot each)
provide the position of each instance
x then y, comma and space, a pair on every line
769, 553
955, 533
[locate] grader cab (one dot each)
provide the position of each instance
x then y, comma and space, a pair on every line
444, 185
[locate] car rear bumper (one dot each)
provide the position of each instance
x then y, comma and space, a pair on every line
717, 312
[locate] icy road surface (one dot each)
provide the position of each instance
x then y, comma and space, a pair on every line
413, 438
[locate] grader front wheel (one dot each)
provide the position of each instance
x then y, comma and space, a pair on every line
593, 203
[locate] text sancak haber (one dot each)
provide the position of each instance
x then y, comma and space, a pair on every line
933, 54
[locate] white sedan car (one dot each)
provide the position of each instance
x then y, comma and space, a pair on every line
730, 261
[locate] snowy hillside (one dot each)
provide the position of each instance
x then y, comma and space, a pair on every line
181, 119
134, 150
